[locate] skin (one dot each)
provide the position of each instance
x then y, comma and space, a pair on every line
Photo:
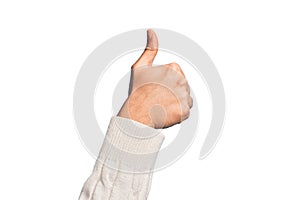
159, 96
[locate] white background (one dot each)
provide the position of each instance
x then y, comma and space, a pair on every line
254, 44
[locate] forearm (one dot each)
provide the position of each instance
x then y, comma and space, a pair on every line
124, 166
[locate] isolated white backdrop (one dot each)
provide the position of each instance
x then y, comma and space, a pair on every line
254, 44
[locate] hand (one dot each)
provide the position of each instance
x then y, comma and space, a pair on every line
159, 96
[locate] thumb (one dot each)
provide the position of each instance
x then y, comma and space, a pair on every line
150, 51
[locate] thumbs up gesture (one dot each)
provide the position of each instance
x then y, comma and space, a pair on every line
159, 96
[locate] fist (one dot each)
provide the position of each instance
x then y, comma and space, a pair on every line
159, 96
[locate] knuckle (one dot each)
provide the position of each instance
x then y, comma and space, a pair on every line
188, 114
187, 88
174, 64
186, 110
190, 101
182, 81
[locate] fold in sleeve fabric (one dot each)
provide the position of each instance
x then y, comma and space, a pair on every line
123, 170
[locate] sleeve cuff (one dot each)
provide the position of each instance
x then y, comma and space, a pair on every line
130, 146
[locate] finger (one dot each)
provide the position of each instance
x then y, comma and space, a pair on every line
190, 102
176, 67
185, 112
188, 89
150, 51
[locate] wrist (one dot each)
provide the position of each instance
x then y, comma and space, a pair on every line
137, 115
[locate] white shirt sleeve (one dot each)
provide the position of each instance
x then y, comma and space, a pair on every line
124, 166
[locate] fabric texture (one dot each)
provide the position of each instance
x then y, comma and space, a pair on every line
123, 170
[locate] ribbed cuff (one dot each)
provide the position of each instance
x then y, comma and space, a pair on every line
130, 146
